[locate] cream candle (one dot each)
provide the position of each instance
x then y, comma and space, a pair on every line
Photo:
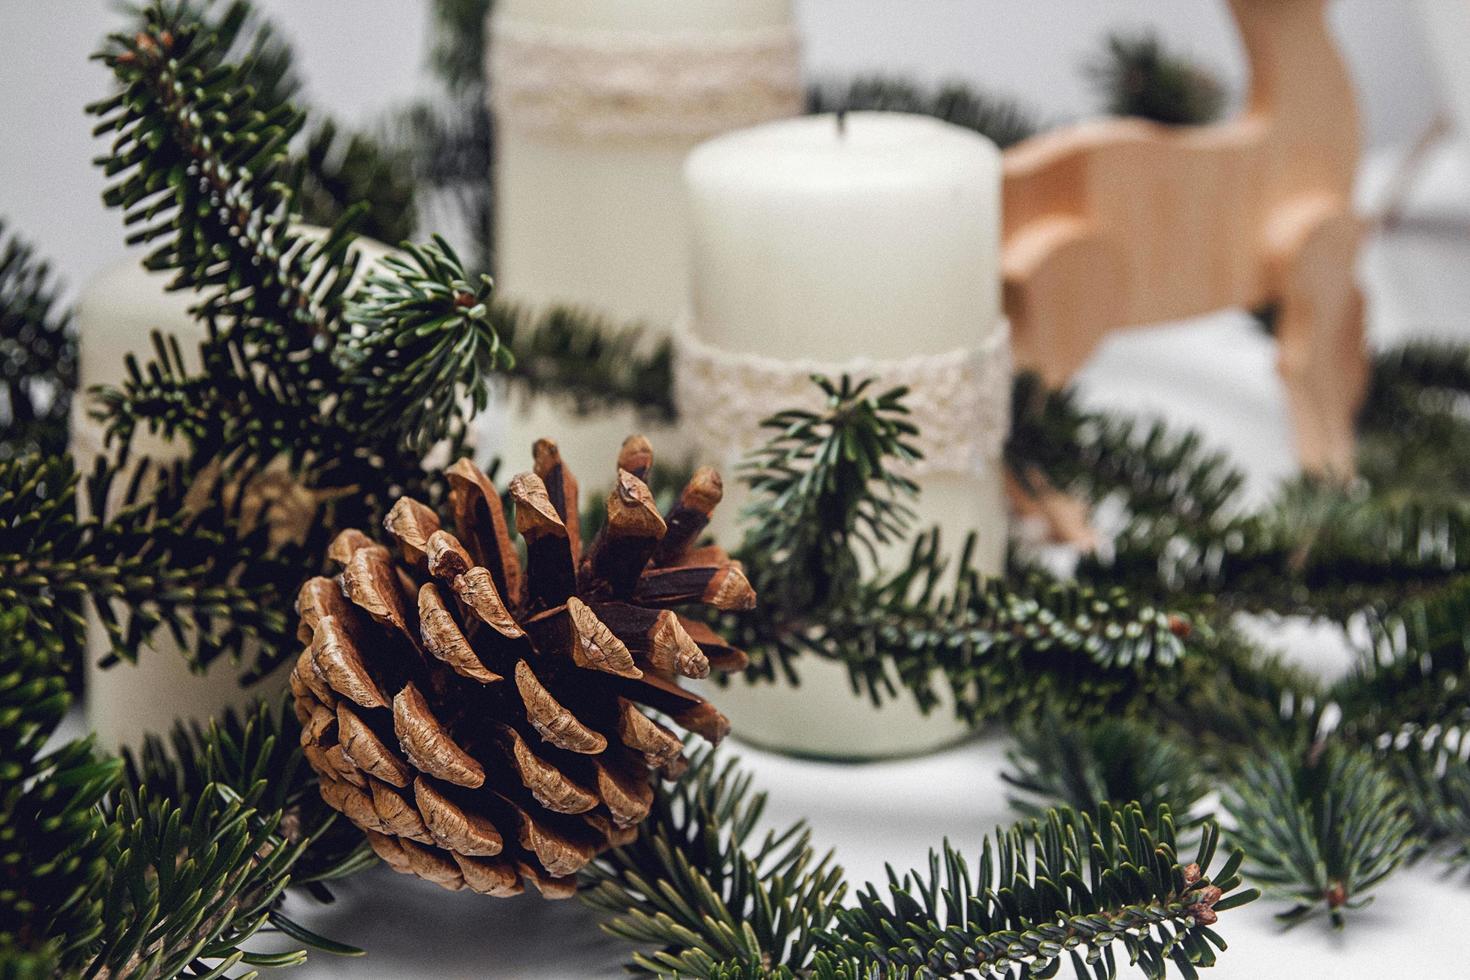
868, 245
116, 314
596, 106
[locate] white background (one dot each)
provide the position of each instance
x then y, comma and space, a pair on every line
363, 56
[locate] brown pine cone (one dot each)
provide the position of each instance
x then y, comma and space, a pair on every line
478, 718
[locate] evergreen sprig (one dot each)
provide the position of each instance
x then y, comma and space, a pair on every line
1000, 649
422, 345
1057, 762
38, 357
1164, 479
334, 170
1062, 889
828, 493
1186, 539
151, 562
165, 867
1138, 76
313, 396
256, 753
1414, 428
1002, 120
704, 897
698, 888
587, 360
1322, 827
1414, 668
1434, 780
452, 149
54, 841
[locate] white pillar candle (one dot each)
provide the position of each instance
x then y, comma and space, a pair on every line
596, 106
117, 313
868, 245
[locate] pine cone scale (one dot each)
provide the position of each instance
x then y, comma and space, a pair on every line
428, 745
477, 715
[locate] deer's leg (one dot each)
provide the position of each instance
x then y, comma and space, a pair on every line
1322, 354
1063, 293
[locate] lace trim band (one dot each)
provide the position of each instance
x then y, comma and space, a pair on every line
623, 85
960, 400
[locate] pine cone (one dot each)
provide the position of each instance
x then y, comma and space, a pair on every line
479, 720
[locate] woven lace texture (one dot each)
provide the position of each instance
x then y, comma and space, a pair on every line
960, 400
628, 85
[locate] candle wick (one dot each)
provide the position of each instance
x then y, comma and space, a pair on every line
842, 123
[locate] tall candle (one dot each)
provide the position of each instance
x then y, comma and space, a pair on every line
117, 313
596, 106
870, 245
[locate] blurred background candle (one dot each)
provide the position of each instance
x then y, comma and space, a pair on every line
596, 105
868, 245
116, 314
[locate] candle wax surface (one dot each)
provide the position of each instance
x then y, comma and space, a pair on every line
877, 238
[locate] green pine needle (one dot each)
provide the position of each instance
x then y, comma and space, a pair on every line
38, 357
1114, 761
1322, 828
1138, 76
422, 343
1002, 120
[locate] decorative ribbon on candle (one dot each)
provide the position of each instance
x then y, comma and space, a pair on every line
960, 400
593, 84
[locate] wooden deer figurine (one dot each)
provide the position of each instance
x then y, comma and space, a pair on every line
1118, 222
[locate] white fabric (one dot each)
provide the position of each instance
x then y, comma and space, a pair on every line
622, 85
960, 400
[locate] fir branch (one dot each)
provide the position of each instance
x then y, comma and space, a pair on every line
1234, 700
826, 496
1005, 649
303, 375
1322, 827
153, 563
280, 306
1165, 479
1434, 782
452, 145
335, 172
698, 889
1413, 670
1319, 549
825, 492
342, 173
1062, 889
167, 871
1003, 121
256, 754
38, 357
458, 56
1055, 762
704, 899
189, 885
584, 358
1414, 429
53, 839
424, 344
1137, 76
